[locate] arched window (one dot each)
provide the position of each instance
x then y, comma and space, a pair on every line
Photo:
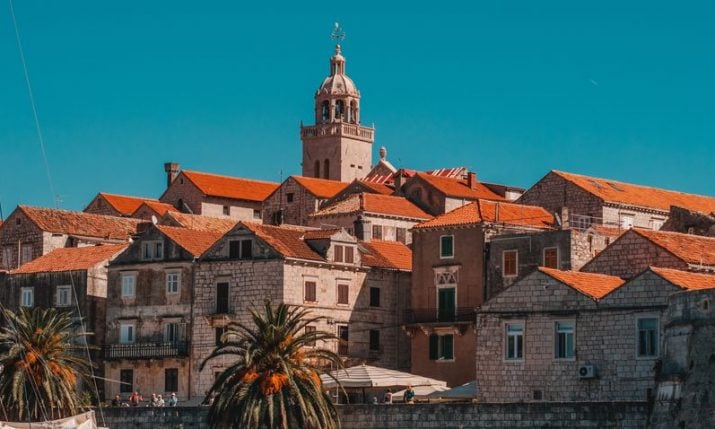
339, 109
353, 112
325, 111
326, 169
317, 169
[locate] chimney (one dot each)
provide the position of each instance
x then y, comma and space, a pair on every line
363, 229
471, 179
172, 170
564, 218
399, 180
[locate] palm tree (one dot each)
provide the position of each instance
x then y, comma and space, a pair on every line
275, 380
40, 354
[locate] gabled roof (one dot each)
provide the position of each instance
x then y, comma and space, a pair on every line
320, 188
486, 211
320, 234
80, 223
193, 241
595, 286
693, 249
387, 254
236, 188
639, 195
378, 188
686, 279
156, 206
459, 188
286, 241
124, 204
374, 203
71, 259
198, 222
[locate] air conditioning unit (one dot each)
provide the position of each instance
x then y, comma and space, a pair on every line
587, 371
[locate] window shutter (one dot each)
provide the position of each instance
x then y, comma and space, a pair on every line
448, 347
434, 347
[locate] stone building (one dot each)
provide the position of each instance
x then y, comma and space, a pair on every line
449, 266
116, 205
583, 201
337, 147
297, 198
572, 336
215, 195
370, 215
690, 222
637, 249
30, 232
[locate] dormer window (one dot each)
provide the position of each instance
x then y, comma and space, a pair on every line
345, 254
152, 250
240, 249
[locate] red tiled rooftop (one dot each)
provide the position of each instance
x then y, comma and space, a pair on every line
486, 211
71, 259
321, 188
230, 187
379, 188
387, 254
686, 279
319, 234
286, 241
193, 241
125, 204
156, 207
198, 222
374, 203
80, 223
593, 285
459, 188
693, 249
639, 195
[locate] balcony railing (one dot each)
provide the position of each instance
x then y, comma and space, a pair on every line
146, 350
338, 129
432, 315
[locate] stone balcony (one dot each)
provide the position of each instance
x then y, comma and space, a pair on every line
146, 350
338, 129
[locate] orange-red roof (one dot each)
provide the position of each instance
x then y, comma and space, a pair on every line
607, 231
71, 259
593, 285
198, 222
387, 254
459, 188
686, 279
693, 249
156, 206
125, 204
319, 234
80, 223
236, 188
193, 241
286, 241
374, 203
639, 195
486, 211
321, 188
379, 188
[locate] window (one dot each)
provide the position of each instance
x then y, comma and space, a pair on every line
240, 249
290, 196
441, 347
226, 210
343, 291
374, 297
128, 285
26, 253
317, 169
377, 232
551, 257
222, 298
257, 214
310, 292
152, 250
27, 297
326, 169
514, 341
7, 257
349, 255
126, 378
446, 246
627, 221
63, 297
656, 224
310, 329
173, 332
564, 340
401, 235
510, 263
338, 253
218, 332
648, 337
446, 304
173, 280
126, 333
343, 340
374, 340
171, 379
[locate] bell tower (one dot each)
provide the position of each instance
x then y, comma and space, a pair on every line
337, 147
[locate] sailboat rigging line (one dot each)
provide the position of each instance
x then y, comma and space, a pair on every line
55, 200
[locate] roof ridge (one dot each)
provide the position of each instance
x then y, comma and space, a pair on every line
230, 177
128, 196
561, 173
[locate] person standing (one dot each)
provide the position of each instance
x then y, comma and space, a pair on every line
388, 396
172, 401
410, 395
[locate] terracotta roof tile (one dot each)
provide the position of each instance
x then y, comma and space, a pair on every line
319, 234
458, 188
71, 259
124, 204
686, 279
81, 224
607, 231
193, 241
387, 254
593, 285
156, 206
230, 187
638, 195
198, 222
374, 203
486, 211
379, 188
286, 241
693, 249
321, 188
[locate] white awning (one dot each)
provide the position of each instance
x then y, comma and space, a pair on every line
371, 376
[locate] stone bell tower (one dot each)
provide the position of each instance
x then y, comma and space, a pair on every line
337, 147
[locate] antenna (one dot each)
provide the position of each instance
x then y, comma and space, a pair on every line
337, 34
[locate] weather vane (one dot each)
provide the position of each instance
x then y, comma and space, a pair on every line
338, 34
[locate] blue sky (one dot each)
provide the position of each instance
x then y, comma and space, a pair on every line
511, 89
